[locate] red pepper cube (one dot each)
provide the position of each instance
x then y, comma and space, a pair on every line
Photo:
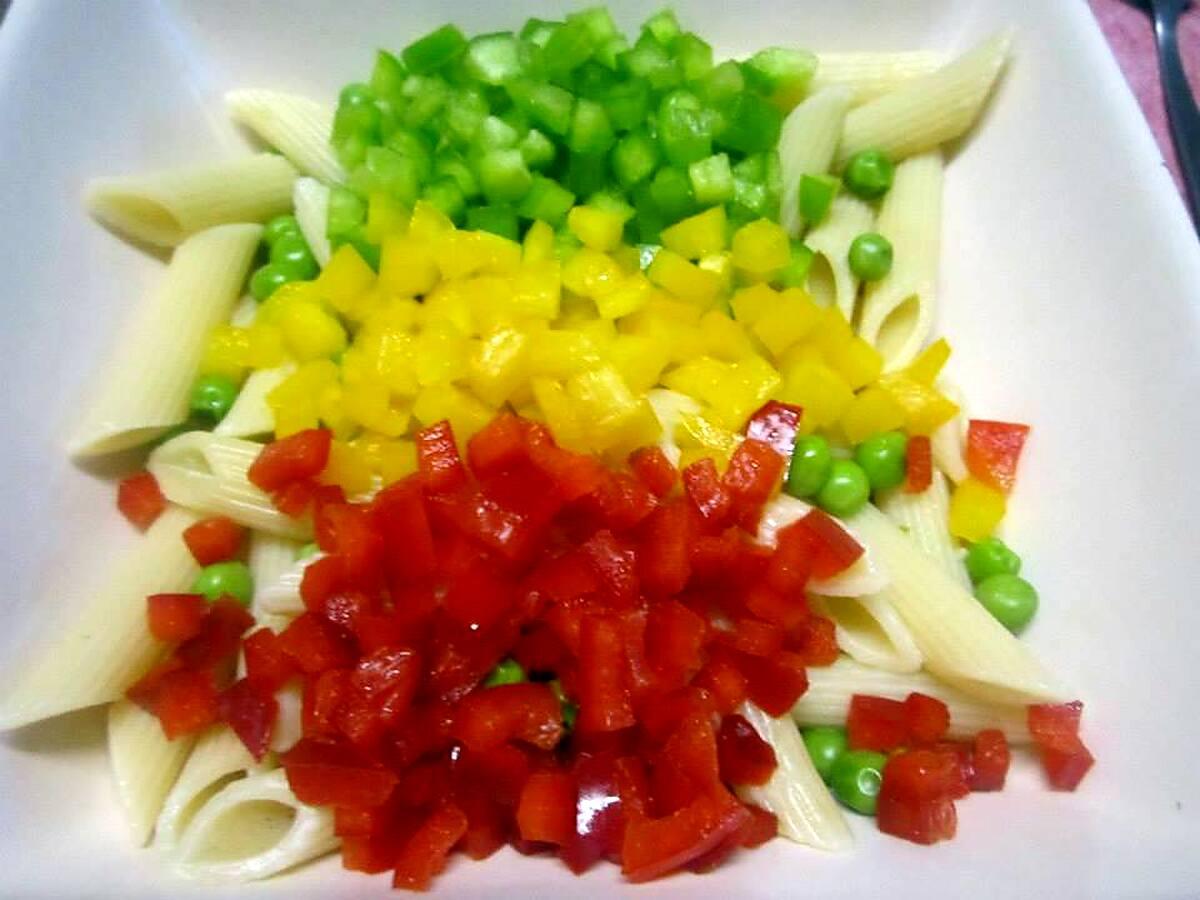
1055, 731
546, 811
755, 637
438, 461
214, 540
926, 718
573, 474
424, 855
497, 446
655, 847
814, 641
614, 562
876, 723
387, 679
776, 425
774, 684
219, 635
663, 552
916, 797
175, 617
744, 756
754, 473
400, 516
250, 710
793, 559
621, 502
708, 495
918, 464
724, 682
605, 702
297, 457
993, 451
140, 499
835, 549
322, 579
675, 639
313, 646
990, 758
652, 468
598, 822
266, 662
186, 702
788, 610
294, 499
331, 773
488, 718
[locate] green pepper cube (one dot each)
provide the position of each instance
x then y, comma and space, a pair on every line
494, 58
449, 164
568, 48
795, 273
546, 104
663, 27
495, 134
547, 201
683, 129
434, 50
537, 150
671, 191
501, 220
635, 158
508, 671
447, 196
649, 60
590, 131
387, 78
712, 180
503, 175
538, 31
781, 74
627, 104
347, 210
816, 196
587, 173
599, 23
722, 84
695, 57
751, 124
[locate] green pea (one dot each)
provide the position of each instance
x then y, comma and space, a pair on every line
308, 551
809, 469
825, 745
279, 227
213, 396
509, 671
268, 279
856, 778
870, 256
989, 557
225, 579
846, 490
291, 252
1010, 599
882, 457
869, 174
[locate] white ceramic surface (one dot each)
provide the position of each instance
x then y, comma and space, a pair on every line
1071, 293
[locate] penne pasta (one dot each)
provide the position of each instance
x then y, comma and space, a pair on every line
961, 642
806, 811
869, 75
296, 126
948, 443
925, 517
217, 759
870, 631
311, 202
807, 144
106, 646
207, 473
144, 393
669, 408
165, 208
252, 828
830, 281
898, 310
251, 415
827, 700
271, 556
144, 763
925, 112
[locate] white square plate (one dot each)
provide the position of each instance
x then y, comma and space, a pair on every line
1070, 291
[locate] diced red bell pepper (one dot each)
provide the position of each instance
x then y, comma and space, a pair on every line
424, 855
814, 641
349, 532
654, 847
915, 799
755, 637
615, 563
791, 563
546, 811
175, 617
663, 555
479, 597
622, 502
573, 474
604, 694
989, 761
713, 557
214, 540
774, 684
745, 757
1055, 731
185, 701
919, 821
925, 718
376, 851
219, 636
789, 610
297, 457
408, 541
388, 680
472, 512
266, 662
918, 464
525, 712
876, 723
704, 488
834, 548
761, 827
776, 425
250, 710
140, 499
675, 639
438, 461
754, 473
497, 446
294, 499
313, 646
653, 469
724, 682
993, 451
487, 824
330, 774
598, 823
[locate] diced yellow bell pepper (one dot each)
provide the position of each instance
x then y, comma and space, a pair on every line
226, 352
310, 332
702, 378
345, 278
539, 243
724, 338
599, 229
750, 304
640, 428
687, 281
385, 216
831, 331
537, 288
591, 273
697, 236
460, 254
560, 413
761, 248
264, 347
640, 359
557, 354
332, 411
370, 405
407, 266
390, 459
294, 293
294, 400
601, 332
926, 367
699, 436
428, 223
661, 310
393, 358
466, 413
627, 296
751, 383
721, 265
440, 354
790, 320
498, 365
820, 391
629, 258
926, 408
975, 510
348, 468
490, 299
450, 303
872, 411
856, 361
605, 403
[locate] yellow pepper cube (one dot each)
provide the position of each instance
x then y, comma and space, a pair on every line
348, 468
702, 378
698, 432
749, 304
370, 405
598, 229
785, 324
640, 359
721, 265
628, 296
660, 311
428, 223
685, 280
331, 409
466, 413
558, 354
264, 347
395, 361
591, 273
440, 354
345, 278
926, 367
498, 365
604, 402
697, 236
926, 408
311, 332
601, 332
385, 216
294, 293
560, 413
856, 361
537, 289
389, 459
820, 391
724, 338
761, 248
872, 411
450, 303
539, 243
294, 401
751, 383
407, 266
640, 428
629, 258
975, 510
226, 352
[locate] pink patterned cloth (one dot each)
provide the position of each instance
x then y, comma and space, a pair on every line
1130, 33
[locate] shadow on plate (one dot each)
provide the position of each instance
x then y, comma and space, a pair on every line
79, 731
